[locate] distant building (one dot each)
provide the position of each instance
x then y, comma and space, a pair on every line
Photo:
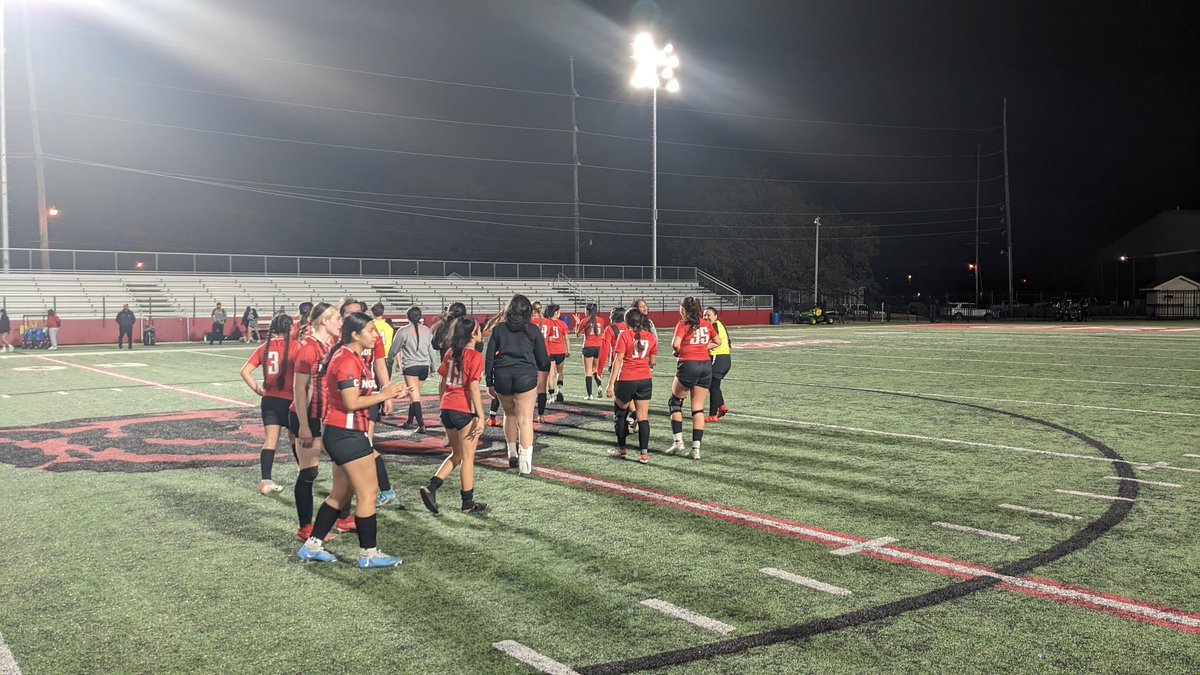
1160, 249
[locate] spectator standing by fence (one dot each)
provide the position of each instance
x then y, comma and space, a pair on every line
53, 323
218, 325
125, 321
5, 328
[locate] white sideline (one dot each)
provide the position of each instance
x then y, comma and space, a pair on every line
1109, 498
973, 530
158, 385
1039, 512
1192, 456
8, 664
805, 581
543, 664
141, 352
689, 616
1146, 482
873, 545
955, 441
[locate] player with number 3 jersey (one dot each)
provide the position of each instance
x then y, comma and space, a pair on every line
274, 356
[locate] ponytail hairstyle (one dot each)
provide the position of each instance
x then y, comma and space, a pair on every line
414, 315
691, 311
318, 314
461, 335
591, 320
455, 311
354, 322
281, 325
305, 309
496, 320
551, 310
520, 309
617, 315
536, 307
636, 321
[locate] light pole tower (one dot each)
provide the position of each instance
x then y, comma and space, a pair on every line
655, 69
816, 260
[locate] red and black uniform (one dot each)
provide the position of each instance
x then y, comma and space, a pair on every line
345, 430
277, 391
555, 332
607, 341
593, 336
634, 382
309, 356
695, 363
539, 324
369, 356
456, 404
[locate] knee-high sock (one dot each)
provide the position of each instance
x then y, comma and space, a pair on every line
541, 404
303, 492
381, 475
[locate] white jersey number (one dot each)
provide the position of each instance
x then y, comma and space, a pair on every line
700, 336
641, 348
272, 363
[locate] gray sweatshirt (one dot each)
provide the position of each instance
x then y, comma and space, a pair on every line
414, 345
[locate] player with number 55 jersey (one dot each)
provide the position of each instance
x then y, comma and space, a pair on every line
694, 337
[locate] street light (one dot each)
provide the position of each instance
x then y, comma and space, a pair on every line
655, 69
52, 212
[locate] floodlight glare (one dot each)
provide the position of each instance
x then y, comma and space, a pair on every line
673, 86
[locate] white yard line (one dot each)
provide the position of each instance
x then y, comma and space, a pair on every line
159, 385
873, 545
1039, 512
140, 353
689, 616
805, 581
1144, 482
1092, 495
8, 664
974, 530
540, 663
851, 354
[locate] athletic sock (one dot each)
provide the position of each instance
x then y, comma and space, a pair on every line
512, 449
344, 513
677, 429
644, 435
265, 461
599, 381
541, 404
495, 406
420, 413
434, 484
697, 436
560, 385
381, 474
303, 492
326, 516
622, 427
368, 527
588, 382
468, 499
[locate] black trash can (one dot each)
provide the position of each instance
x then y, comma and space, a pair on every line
148, 336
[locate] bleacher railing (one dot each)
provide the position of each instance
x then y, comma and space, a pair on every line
161, 262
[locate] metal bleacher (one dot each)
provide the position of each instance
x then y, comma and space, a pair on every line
152, 294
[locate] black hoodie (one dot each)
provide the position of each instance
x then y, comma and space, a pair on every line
515, 344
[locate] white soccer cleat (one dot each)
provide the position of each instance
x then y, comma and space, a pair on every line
525, 461
694, 454
267, 487
677, 446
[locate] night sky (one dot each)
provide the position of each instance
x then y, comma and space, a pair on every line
874, 108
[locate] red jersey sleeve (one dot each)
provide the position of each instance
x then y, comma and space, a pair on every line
256, 358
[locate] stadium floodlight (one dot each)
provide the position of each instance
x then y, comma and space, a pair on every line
654, 69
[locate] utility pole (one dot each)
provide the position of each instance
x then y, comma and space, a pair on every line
3, 147
977, 226
1008, 221
575, 164
816, 260
39, 159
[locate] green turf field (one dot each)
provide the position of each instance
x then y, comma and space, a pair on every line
137, 542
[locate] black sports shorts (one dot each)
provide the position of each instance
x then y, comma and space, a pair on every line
275, 411
294, 425
419, 372
344, 445
591, 352
454, 419
558, 358
721, 365
634, 390
513, 381
695, 374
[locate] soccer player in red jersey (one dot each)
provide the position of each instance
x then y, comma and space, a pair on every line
349, 387
616, 324
300, 321
462, 414
308, 406
538, 322
275, 355
693, 338
631, 381
558, 347
375, 359
592, 330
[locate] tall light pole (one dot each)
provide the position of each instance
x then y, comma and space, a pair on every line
3, 148
655, 69
816, 259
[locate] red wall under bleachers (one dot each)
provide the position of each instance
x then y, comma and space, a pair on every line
175, 329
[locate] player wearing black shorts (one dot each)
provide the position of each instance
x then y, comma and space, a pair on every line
631, 383
515, 355
692, 341
275, 356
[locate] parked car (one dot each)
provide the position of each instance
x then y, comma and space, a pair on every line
858, 311
957, 311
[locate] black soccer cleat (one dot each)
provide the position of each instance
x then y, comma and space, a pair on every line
429, 497
475, 508
512, 462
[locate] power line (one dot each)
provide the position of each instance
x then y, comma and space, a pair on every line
793, 180
516, 90
473, 220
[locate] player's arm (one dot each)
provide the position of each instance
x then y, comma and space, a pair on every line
253, 362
